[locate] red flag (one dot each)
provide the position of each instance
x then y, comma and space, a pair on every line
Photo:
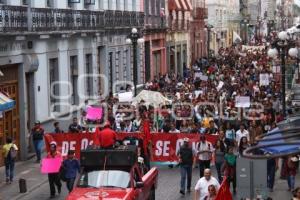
224, 191
147, 135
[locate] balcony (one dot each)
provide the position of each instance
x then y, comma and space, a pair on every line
178, 25
14, 19
200, 13
155, 23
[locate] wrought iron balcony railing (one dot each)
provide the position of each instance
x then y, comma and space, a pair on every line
178, 24
155, 22
14, 19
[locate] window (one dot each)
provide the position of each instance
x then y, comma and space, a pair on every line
110, 4
125, 56
25, 2
50, 3
133, 5
54, 87
3, 2
74, 79
110, 70
89, 72
117, 69
101, 6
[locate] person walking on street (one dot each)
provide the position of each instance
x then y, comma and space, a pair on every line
201, 188
204, 153
212, 193
230, 167
272, 166
54, 178
72, 167
9, 151
37, 137
219, 158
186, 158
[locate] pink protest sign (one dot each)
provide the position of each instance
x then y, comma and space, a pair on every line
94, 113
51, 165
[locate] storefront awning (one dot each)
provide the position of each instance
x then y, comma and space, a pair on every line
183, 5
174, 5
5, 102
188, 5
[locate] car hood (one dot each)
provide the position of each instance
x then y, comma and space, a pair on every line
99, 194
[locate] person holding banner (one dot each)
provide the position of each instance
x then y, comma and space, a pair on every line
106, 138
54, 178
205, 150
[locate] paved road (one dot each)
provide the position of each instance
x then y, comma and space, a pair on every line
168, 188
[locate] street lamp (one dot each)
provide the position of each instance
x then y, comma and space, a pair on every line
284, 45
209, 27
135, 38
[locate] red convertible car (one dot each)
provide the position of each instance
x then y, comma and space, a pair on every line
113, 175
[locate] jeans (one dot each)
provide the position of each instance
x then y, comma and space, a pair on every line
271, 176
70, 184
9, 169
186, 174
218, 168
38, 145
54, 179
203, 164
291, 182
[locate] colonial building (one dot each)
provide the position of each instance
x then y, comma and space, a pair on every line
178, 43
198, 34
55, 54
218, 19
155, 38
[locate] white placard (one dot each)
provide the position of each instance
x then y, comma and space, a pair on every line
242, 102
264, 79
221, 84
197, 74
198, 92
125, 97
203, 78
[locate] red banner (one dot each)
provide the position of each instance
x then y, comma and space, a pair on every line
164, 145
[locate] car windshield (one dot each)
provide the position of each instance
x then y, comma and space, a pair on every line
109, 178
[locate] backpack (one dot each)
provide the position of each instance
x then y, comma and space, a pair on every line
12, 154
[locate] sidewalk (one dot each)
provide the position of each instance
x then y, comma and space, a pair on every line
28, 170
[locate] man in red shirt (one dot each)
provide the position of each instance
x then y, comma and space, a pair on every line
106, 138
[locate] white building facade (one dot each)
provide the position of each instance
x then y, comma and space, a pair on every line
57, 54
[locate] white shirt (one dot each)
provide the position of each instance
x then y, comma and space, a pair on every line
240, 134
202, 186
207, 146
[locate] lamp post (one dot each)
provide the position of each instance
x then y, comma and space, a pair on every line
135, 38
209, 27
284, 45
258, 34
245, 24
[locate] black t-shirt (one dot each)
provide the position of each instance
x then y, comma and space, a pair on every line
186, 154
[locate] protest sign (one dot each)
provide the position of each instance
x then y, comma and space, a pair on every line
125, 97
242, 101
51, 165
94, 113
264, 79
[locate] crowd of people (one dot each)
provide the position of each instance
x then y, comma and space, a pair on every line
203, 102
